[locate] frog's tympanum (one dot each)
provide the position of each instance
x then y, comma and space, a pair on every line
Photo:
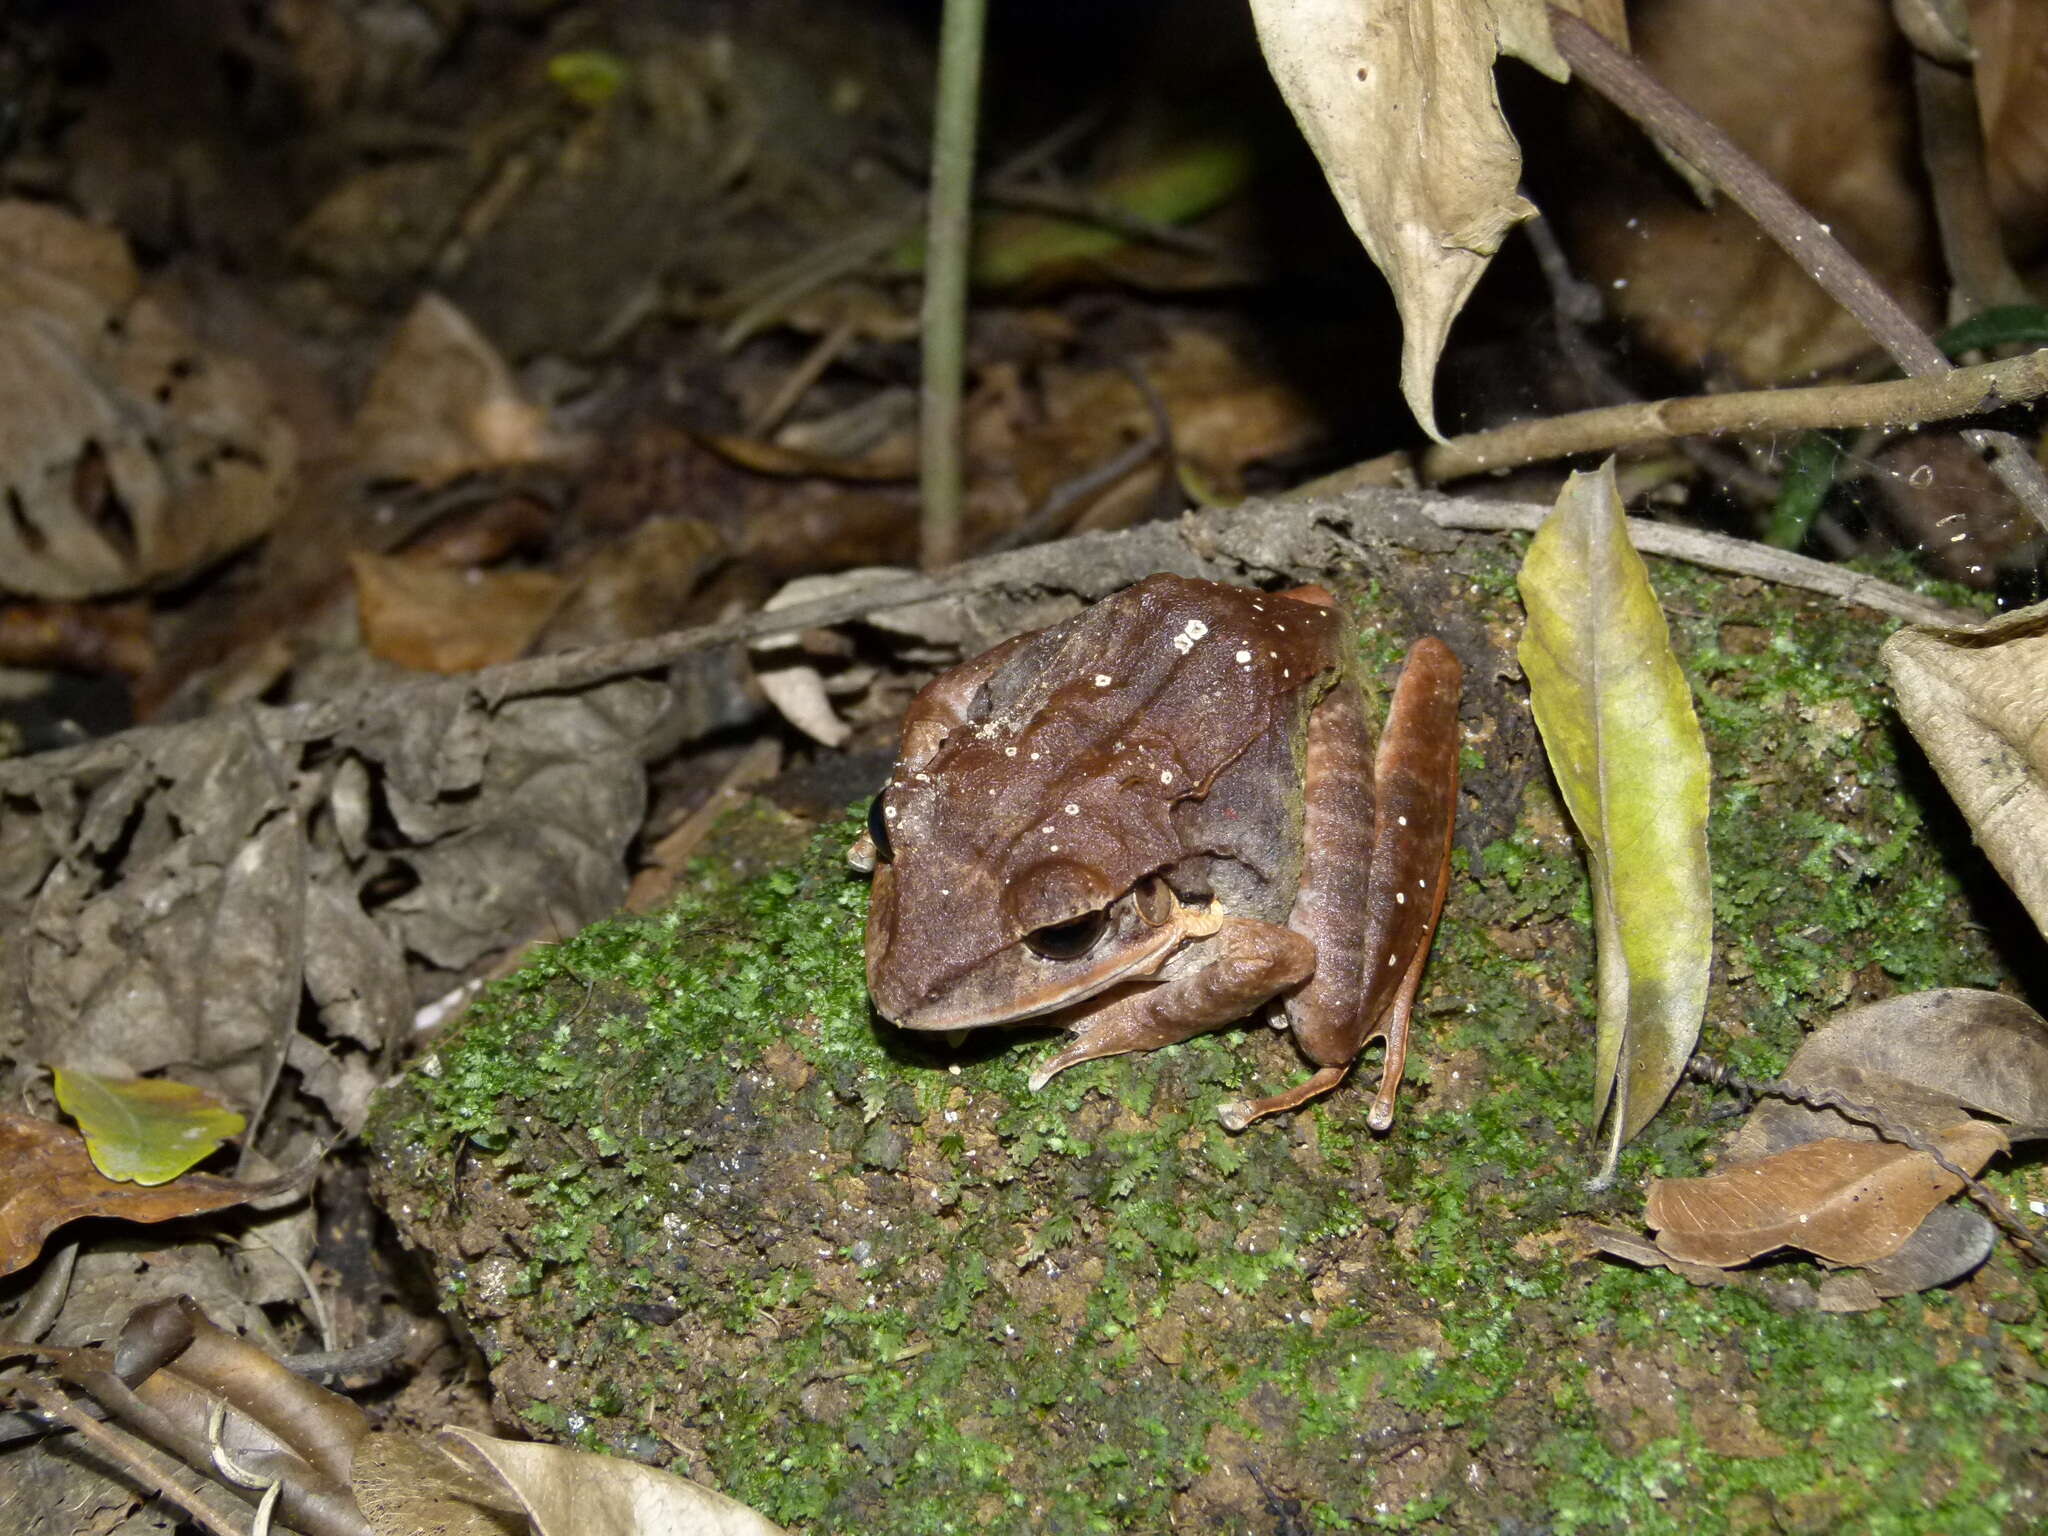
1161, 816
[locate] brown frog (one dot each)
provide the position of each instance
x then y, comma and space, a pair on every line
1159, 816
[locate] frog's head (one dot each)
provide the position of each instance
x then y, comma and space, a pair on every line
1021, 846
955, 944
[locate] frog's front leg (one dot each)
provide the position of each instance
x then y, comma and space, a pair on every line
1242, 965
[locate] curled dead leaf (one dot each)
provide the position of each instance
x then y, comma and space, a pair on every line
1921, 1060
1977, 702
130, 455
1398, 102
1848, 1202
443, 403
576, 1493
46, 1179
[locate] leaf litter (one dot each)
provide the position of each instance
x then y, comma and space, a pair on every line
1819, 1165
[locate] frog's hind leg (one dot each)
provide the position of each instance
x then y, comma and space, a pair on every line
1416, 783
1392, 890
1245, 963
1241, 1113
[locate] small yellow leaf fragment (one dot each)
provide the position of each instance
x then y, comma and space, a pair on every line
144, 1130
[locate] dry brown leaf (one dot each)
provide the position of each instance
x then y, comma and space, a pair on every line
637, 585
1638, 1249
1922, 1060
1977, 701
443, 403
1952, 1241
1785, 79
404, 1485
577, 1493
1228, 409
129, 454
2012, 99
1398, 102
433, 619
1848, 1202
46, 1179
895, 461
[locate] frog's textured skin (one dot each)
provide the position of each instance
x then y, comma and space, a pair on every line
1157, 817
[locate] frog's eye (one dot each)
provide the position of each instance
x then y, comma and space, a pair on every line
1069, 940
878, 830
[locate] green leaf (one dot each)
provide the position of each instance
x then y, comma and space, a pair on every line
1177, 187
1808, 477
1617, 720
2008, 325
145, 1130
590, 77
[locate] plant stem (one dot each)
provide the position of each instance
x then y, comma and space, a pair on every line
947, 249
1891, 402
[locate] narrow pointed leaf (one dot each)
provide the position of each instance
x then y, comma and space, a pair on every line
147, 1130
1618, 723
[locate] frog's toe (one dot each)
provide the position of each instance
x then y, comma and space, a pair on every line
1055, 1064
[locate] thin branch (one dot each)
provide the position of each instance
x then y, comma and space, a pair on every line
45, 1299
1952, 148
152, 1471
1891, 403
948, 246
1717, 552
1297, 526
1804, 238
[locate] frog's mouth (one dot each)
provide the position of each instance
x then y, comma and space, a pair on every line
1026, 985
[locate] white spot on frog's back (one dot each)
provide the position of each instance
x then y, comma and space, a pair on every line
1194, 630
1102, 679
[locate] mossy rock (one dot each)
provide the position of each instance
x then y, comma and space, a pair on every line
699, 1206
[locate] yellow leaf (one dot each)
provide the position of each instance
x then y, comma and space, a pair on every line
1617, 721
144, 1130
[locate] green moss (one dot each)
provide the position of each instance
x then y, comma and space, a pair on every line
869, 1282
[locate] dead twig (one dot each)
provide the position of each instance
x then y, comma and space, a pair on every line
152, 1470
1619, 79
1892, 403
1717, 552
1952, 148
